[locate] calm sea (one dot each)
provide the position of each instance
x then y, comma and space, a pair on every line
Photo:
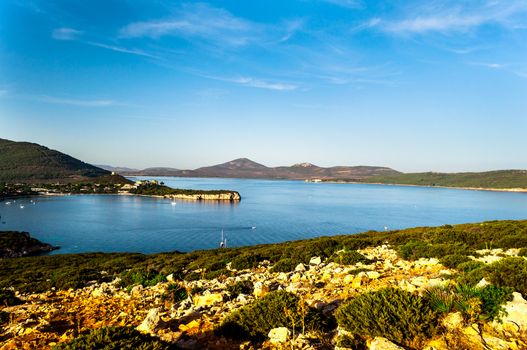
270, 211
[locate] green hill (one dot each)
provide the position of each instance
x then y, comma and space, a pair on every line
30, 162
502, 179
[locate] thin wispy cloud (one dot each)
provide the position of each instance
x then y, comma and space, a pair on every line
257, 83
74, 102
121, 49
66, 34
197, 21
448, 16
518, 70
70, 34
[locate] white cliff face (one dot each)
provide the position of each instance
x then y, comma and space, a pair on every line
227, 196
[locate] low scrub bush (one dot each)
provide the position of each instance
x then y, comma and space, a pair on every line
246, 261
284, 265
509, 272
4, 318
146, 278
276, 309
397, 315
114, 338
475, 304
413, 250
241, 287
8, 298
175, 293
454, 260
350, 257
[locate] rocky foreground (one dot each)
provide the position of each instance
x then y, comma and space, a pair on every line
41, 321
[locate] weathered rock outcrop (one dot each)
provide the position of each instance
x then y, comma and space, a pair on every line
17, 244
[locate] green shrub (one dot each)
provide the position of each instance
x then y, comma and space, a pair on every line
246, 261
276, 309
146, 278
441, 299
475, 304
454, 260
413, 250
8, 298
241, 287
114, 338
493, 298
217, 274
350, 257
284, 265
397, 315
4, 317
522, 252
175, 293
509, 272
470, 265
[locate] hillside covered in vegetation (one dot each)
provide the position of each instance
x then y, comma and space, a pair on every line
499, 179
438, 287
30, 162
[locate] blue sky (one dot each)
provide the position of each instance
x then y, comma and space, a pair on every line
414, 85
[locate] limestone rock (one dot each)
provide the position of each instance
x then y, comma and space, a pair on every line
315, 261
380, 343
300, 267
208, 299
136, 291
279, 335
373, 275
260, 289
453, 321
482, 283
151, 322
515, 321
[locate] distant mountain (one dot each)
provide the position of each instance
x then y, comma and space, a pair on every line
157, 171
116, 169
30, 162
246, 168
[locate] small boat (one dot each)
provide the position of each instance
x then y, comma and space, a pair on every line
223, 242
173, 203
253, 227
21, 206
8, 203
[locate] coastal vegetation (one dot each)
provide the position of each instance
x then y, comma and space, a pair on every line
499, 179
408, 314
447, 243
115, 338
276, 309
157, 189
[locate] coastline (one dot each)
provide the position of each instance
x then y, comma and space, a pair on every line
514, 190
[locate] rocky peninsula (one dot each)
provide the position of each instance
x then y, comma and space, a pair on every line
424, 288
18, 244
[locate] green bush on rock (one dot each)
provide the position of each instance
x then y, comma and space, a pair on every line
146, 278
276, 309
509, 272
241, 287
8, 298
397, 315
350, 257
114, 338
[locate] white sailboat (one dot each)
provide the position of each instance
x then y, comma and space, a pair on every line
223, 242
